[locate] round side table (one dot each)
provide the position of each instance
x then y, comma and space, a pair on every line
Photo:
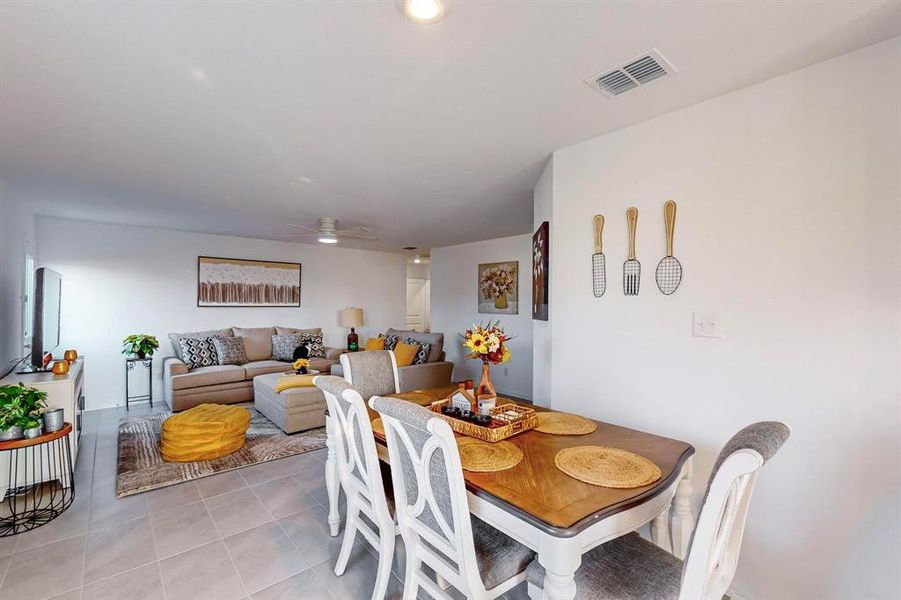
39, 481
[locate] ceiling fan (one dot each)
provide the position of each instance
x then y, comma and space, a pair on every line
328, 233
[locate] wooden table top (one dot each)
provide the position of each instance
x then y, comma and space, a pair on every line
539, 492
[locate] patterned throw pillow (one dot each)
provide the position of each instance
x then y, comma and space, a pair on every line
422, 355
390, 341
229, 350
198, 352
314, 341
283, 346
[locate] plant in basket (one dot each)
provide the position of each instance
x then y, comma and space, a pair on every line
488, 343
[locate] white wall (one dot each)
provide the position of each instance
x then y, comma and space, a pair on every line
118, 280
788, 229
16, 232
455, 308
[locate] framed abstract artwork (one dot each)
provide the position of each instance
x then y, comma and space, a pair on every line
540, 274
499, 288
239, 282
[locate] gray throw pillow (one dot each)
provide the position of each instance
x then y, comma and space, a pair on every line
198, 352
283, 346
230, 350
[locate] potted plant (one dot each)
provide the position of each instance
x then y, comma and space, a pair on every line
31, 427
140, 345
20, 409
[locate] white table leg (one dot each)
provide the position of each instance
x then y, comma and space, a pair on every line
660, 534
332, 484
560, 562
683, 520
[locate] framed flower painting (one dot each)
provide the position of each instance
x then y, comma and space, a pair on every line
499, 288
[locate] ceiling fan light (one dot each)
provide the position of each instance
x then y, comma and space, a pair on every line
327, 238
417, 259
424, 11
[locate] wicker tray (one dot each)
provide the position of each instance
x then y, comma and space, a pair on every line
499, 429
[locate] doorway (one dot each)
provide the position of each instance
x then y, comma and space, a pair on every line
418, 295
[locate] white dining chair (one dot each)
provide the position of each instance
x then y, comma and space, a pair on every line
360, 476
433, 514
372, 372
631, 568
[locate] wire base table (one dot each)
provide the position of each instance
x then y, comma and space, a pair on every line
40, 482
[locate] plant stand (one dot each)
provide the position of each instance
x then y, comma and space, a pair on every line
130, 364
40, 483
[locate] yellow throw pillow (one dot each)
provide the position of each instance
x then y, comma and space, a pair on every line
375, 343
405, 353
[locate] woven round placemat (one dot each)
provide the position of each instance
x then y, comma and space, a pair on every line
607, 467
378, 426
483, 457
557, 423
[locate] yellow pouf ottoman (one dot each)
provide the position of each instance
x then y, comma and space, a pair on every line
204, 432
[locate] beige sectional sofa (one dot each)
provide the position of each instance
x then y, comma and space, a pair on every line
435, 372
225, 384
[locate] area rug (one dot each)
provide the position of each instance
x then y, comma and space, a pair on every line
140, 467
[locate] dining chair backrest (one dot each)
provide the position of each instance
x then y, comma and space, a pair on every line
716, 541
356, 455
429, 492
372, 372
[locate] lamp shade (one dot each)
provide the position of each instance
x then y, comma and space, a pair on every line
352, 317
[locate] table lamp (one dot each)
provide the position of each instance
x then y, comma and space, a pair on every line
352, 317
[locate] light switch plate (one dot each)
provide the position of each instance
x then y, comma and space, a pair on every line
706, 325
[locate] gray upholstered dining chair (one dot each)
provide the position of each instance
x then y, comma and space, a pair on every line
433, 513
361, 477
372, 372
631, 568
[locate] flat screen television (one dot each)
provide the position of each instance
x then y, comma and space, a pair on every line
48, 287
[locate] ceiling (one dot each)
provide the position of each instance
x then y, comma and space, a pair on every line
240, 117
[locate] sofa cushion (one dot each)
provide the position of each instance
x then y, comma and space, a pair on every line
262, 367
435, 339
174, 337
198, 352
290, 330
323, 365
257, 341
208, 376
230, 350
283, 346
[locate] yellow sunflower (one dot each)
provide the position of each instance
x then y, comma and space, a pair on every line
476, 342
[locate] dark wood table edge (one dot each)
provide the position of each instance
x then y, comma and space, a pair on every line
580, 526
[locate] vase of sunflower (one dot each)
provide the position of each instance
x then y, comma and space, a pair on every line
488, 343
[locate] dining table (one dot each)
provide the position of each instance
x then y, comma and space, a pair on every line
554, 514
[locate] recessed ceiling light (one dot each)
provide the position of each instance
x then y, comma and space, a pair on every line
424, 11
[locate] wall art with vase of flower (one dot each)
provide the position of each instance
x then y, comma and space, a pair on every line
498, 288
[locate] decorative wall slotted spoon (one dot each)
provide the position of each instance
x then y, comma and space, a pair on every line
669, 271
631, 268
598, 262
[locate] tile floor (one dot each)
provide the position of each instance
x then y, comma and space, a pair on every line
258, 532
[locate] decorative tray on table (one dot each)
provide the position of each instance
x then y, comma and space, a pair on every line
504, 421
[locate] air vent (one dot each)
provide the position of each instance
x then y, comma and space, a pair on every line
639, 71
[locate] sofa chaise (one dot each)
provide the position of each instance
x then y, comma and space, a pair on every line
226, 384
